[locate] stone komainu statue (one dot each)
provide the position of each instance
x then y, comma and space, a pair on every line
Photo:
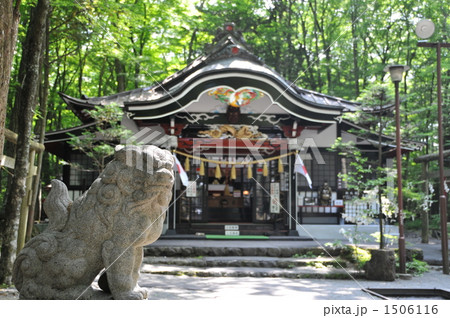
325, 194
105, 228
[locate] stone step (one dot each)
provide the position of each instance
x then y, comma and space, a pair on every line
246, 261
243, 228
193, 251
297, 272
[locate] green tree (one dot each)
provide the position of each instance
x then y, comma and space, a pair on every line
27, 94
9, 15
378, 101
100, 143
336, 47
369, 180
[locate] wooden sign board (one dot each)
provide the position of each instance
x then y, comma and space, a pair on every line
191, 190
275, 198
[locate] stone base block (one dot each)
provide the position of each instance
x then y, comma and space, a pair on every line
381, 266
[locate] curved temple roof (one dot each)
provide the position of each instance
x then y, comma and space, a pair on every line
229, 64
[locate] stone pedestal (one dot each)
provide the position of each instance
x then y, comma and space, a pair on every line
381, 266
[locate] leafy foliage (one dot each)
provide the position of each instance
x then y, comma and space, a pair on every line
417, 267
340, 48
356, 255
371, 183
389, 239
100, 143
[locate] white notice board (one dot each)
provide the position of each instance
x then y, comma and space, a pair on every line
191, 190
275, 198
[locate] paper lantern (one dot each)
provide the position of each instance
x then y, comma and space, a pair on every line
226, 191
202, 169
265, 170
280, 166
218, 174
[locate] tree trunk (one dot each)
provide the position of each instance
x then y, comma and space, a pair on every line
100, 79
191, 46
431, 157
355, 49
120, 74
41, 126
26, 100
9, 22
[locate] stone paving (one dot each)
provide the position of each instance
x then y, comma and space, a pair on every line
223, 288
173, 287
170, 287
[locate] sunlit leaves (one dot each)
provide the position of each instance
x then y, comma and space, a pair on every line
332, 46
99, 143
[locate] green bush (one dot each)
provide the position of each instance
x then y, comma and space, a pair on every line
435, 222
413, 225
356, 255
416, 267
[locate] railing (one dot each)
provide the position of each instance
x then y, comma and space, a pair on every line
352, 212
306, 213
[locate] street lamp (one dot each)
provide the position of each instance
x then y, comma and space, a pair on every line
396, 72
424, 30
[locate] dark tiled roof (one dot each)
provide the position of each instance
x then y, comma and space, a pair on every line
229, 54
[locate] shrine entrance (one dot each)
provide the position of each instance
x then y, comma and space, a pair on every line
229, 200
243, 195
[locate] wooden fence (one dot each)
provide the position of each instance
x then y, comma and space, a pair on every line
31, 187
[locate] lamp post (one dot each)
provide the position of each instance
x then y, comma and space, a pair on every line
424, 30
396, 72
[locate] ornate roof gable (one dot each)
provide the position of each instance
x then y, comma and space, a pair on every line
228, 63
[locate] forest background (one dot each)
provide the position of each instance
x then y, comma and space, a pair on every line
336, 47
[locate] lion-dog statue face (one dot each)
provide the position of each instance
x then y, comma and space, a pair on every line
105, 228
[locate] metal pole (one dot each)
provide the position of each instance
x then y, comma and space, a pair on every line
401, 239
442, 193
296, 197
290, 193
175, 202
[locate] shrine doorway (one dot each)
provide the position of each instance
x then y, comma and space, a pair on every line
245, 198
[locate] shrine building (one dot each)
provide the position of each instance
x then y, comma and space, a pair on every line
236, 126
